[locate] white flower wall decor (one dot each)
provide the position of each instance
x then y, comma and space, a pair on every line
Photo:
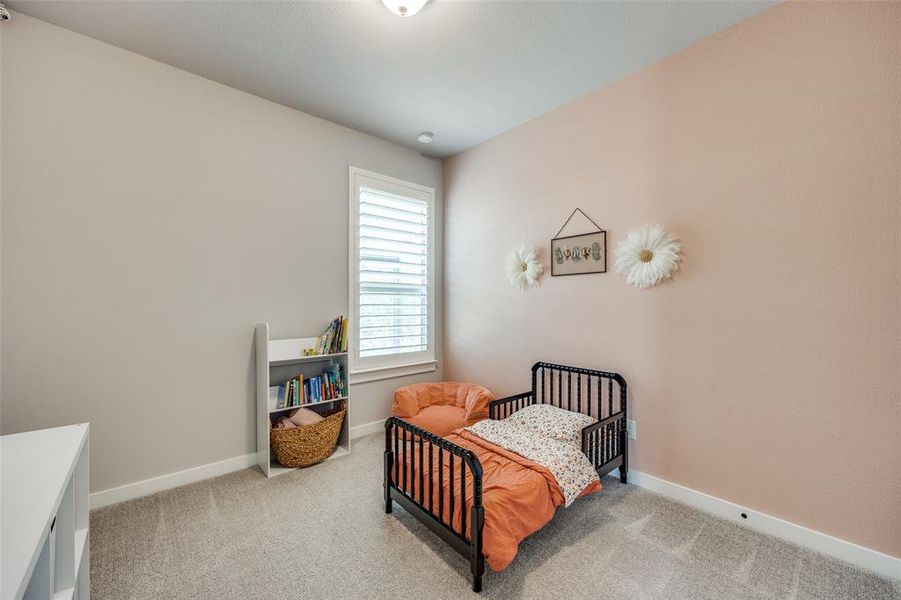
647, 256
523, 268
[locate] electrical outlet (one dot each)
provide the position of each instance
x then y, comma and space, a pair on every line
632, 429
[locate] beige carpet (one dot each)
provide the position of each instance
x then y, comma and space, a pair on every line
321, 533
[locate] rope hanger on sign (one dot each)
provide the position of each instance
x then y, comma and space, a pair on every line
577, 210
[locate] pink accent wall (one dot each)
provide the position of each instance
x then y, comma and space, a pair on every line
767, 372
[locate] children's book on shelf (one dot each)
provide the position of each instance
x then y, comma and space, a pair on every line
331, 384
332, 341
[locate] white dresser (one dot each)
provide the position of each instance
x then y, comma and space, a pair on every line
44, 514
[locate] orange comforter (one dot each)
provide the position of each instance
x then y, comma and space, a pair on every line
519, 495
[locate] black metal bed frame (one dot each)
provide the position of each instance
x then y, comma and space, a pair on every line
408, 447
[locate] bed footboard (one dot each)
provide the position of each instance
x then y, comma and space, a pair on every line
415, 478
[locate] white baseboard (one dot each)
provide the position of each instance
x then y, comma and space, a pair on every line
146, 487
883, 564
367, 428
138, 489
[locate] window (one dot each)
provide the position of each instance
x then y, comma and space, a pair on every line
391, 276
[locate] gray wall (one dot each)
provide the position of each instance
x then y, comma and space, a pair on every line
1, 227
150, 218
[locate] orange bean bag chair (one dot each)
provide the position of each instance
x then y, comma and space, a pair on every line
441, 407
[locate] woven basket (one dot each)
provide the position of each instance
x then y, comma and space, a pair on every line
310, 444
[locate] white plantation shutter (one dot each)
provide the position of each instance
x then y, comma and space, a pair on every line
393, 274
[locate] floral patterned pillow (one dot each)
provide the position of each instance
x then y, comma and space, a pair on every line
552, 421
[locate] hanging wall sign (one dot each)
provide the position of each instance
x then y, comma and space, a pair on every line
579, 254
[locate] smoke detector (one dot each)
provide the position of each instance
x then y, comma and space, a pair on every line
404, 8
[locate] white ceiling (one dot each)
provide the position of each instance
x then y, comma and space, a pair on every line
466, 70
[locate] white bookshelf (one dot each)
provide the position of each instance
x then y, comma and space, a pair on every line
44, 524
277, 362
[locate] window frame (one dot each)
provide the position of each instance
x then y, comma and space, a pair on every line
370, 368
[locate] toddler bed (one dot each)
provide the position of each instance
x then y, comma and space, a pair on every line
485, 488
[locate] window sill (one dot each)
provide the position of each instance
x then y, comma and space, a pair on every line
379, 373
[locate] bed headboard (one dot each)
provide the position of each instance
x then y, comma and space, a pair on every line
599, 394
596, 393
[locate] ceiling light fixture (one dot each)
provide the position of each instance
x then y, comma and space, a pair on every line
425, 137
404, 8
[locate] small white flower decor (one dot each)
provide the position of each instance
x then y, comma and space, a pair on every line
523, 268
647, 256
